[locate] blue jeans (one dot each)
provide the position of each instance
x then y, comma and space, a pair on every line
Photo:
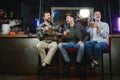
80, 52
94, 49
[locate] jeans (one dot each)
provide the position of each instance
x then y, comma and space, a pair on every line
94, 49
80, 52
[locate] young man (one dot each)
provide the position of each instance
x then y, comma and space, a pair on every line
99, 35
46, 40
77, 37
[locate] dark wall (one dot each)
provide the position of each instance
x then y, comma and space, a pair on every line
11, 5
110, 11
114, 16
28, 10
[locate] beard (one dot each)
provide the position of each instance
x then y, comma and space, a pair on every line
48, 20
68, 22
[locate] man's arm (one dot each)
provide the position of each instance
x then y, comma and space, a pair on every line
104, 32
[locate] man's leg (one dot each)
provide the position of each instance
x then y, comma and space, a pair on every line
99, 47
41, 49
79, 56
89, 45
62, 47
80, 52
52, 50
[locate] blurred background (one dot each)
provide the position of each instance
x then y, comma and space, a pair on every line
31, 10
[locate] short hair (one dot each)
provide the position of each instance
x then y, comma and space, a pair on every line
45, 13
97, 11
69, 14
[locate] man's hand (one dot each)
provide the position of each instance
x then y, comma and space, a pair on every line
80, 42
97, 25
46, 28
66, 34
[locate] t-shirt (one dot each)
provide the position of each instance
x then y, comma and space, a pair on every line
72, 34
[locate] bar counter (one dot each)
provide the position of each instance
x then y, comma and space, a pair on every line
115, 35
18, 54
17, 36
34, 36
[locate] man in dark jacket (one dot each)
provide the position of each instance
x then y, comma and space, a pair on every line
76, 35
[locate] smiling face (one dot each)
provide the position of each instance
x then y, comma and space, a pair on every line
97, 16
69, 19
47, 17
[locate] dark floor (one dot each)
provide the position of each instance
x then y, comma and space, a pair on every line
52, 77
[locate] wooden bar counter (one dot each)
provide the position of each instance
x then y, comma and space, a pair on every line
16, 36
18, 54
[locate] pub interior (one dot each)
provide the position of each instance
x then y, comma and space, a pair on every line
19, 19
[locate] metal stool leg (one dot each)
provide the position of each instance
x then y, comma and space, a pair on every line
110, 64
102, 67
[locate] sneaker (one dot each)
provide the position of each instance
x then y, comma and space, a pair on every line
44, 64
96, 63
93, 64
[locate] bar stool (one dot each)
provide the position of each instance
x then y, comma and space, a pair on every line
72, 54
107, 51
